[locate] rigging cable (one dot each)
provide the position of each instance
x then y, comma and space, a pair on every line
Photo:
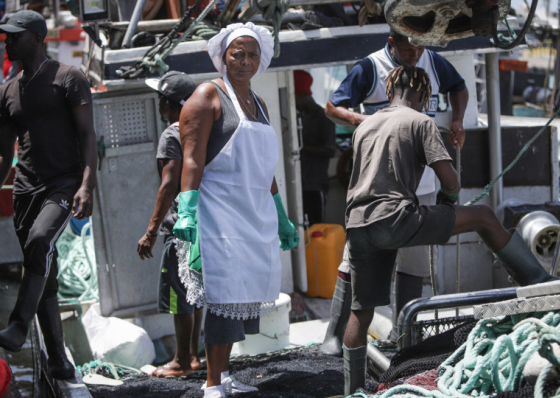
508, 44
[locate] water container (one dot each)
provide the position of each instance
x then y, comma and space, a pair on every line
323, 255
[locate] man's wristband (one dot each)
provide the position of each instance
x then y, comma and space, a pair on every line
149, 235
455, 196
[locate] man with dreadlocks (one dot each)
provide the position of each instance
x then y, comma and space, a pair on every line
365, 85
391, 150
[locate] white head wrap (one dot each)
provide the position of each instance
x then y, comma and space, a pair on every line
218, 45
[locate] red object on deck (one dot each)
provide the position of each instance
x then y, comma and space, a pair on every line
514, 65
5, 377
6, 199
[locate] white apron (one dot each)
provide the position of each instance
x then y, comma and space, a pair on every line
237, 218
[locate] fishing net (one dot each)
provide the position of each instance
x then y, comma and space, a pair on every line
294, 373
428, 354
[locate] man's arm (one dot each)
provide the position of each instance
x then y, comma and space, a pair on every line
452, 83
459, 101
343, 116
351, 93
170, 179
447, 176
83, 200
7, 142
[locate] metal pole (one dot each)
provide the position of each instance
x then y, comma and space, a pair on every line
380, 362
469, 299
494, 128
127, 42
56, 12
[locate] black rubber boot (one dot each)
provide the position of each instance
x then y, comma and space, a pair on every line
521, 264
355, 364
340, 313
407, 288
29, 295
51, 326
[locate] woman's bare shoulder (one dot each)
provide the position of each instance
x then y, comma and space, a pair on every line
205, 90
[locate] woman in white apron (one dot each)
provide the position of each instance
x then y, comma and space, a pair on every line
228, 191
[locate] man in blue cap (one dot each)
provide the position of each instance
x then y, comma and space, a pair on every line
48, 109
174, 89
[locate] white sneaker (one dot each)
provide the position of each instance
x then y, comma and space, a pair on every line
233, 386
214, 392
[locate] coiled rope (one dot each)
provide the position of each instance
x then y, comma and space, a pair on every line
77, 274
108, 369
273, 13
493, 358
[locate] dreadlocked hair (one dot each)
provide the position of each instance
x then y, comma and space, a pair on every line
408, 77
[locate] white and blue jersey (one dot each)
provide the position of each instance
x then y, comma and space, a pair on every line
365, 83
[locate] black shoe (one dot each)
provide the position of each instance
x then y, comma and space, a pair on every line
355, 365
48, 313
29, 295
521, 263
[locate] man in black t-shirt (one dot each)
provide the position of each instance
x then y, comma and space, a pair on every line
174, 89
318, 146
48, 109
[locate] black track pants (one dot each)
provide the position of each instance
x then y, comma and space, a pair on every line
39, 219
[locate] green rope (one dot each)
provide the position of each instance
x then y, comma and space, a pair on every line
488, 187
547, 337
108, 369
204, 31
158, 65
77, 274
502, 37
273, 13
493, 358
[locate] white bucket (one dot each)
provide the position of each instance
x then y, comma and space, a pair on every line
274, 330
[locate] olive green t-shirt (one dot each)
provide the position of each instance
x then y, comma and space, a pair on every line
391, 149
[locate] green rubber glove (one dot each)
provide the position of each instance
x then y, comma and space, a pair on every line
185, 227
287, 233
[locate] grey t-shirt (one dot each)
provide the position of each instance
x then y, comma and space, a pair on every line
391, 149
169, 147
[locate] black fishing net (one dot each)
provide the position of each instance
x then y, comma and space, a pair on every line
528, 391
428, 354
296, 373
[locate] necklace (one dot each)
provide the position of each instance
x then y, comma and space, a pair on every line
29, 81
252, 113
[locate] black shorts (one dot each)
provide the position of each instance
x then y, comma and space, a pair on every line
222, 330
373, 248
172, 294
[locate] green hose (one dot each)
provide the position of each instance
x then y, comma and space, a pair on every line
77, 273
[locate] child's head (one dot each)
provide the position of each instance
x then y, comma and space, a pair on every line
409, 82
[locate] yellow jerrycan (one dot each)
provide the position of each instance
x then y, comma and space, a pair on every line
323, 254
